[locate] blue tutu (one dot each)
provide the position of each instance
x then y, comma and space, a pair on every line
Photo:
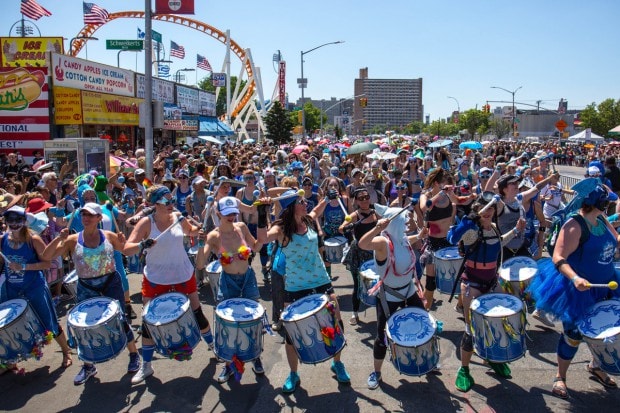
556, 294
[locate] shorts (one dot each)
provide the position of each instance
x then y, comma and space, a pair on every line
238, 286
152, 290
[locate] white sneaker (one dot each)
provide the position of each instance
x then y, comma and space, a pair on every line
541, 316
145, 371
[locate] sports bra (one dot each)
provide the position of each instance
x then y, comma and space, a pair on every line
242, 254
436, 213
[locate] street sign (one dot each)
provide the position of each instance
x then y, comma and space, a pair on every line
561, 125
156, 36
124, 44
218, 79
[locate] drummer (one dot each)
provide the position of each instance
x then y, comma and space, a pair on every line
92, 251
481, 244
233, 243
23, 275
395, 262
296, 233
168, 268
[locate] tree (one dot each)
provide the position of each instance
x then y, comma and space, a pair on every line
441, 128
313, 120
499, 127
475, 121
414, 128
278, 124
220, 106
601, 118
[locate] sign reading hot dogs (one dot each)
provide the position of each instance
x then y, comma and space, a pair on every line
85, 75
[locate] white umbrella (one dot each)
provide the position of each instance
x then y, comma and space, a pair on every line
382, 155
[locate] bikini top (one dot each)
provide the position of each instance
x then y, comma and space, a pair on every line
436, 213
242, 254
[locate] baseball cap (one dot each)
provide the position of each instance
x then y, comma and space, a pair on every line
228, 205
139, 171
93, 208
593, 171
333, 171
485, 170
504, 180
356, 171
15, 210
198, 180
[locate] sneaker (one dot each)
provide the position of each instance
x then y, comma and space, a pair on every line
541, 316
145, 371
341, 373
291, 383
464, 380
134, 363
258, 367
87, 371
501, 369
458, 309
277, 326
226, 374
374, 379
354, 320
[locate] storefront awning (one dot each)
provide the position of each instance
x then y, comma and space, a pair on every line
211, 126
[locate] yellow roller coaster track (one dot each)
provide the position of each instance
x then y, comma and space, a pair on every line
89, 29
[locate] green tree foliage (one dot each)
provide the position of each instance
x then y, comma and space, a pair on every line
475, 121
313, 120
414, 128
220, 106
278, 124
441, 128
499, 127
601, 118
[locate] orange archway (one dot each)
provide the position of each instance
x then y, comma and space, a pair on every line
89, 29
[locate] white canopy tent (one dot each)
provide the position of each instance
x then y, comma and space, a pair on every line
584, 136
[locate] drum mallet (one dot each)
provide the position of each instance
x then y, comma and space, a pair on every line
142, 214
405, 208
178, 220
612, 285
494, 201
6, 260
347, 217
110, 208
190, 219
300, 192
521, 209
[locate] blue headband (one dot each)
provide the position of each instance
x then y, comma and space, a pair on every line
158, 194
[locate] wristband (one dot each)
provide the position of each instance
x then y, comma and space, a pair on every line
560, 263
574, 278
23, 267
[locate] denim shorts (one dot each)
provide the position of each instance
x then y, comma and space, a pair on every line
238, 286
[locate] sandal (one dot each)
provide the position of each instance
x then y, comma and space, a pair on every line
559, 388
67, 361
601, 376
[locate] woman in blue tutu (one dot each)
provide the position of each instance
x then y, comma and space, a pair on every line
563, 286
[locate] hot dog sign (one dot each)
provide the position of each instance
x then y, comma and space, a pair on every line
20, 87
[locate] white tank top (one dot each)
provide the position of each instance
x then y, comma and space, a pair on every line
167, 262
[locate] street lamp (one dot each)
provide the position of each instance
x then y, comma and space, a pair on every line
303, 83
187, 69
82, 38
118, 55
512, 92
458, 107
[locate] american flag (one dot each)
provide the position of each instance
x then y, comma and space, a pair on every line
177, 50
94, 14
33, 10
203, 63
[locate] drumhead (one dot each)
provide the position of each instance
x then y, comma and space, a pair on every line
450, 253
239, 310
71, 277
193, 250
410, 327
496, 305
602, 320
93, 311
214, 266
335, 241
518, 269
11, 310
304, 307
165, 308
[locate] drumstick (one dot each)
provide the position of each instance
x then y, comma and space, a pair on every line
110, 208
76, 205
301, 192
347, 217
612, 285
179, 219
6, 260
405, 208
494, 201
190, 219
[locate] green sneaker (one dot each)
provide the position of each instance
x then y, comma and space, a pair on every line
291, 383
501, 369
464, 380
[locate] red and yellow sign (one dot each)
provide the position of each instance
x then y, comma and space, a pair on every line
28, 51
67, 106
103, 109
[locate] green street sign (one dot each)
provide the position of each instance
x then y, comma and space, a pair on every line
124, 44
156, 36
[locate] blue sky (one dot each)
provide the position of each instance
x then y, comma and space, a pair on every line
552, 49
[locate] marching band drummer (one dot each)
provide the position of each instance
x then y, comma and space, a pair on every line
24, 275
167, 268
297, 235
563, 284
395, 261
481, 244
233, 243
93, 251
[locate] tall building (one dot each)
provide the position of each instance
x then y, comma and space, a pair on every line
389, 103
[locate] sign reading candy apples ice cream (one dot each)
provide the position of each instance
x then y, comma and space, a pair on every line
82, 74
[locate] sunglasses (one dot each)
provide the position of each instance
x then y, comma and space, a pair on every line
248, 178
307, 184
166, 201
363, 198
14, 220
183, 177
485, 176
401, 187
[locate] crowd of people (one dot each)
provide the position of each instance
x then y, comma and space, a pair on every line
292, 206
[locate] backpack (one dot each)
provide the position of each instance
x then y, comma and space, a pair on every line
556, 225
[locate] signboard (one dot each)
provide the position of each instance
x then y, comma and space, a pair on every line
156, 36
218, 79
85, 75
174, 6
103, 109
67, 106
24, 110
163, 90
207, 103
181, 124
187, 99
282, 83
124, 44
561, 125
28, 51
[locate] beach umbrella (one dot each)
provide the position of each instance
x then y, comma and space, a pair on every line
361, 148
470, 145
299, 149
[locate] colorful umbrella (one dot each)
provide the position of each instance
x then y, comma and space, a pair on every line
117, 162
299, 149
361, 148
